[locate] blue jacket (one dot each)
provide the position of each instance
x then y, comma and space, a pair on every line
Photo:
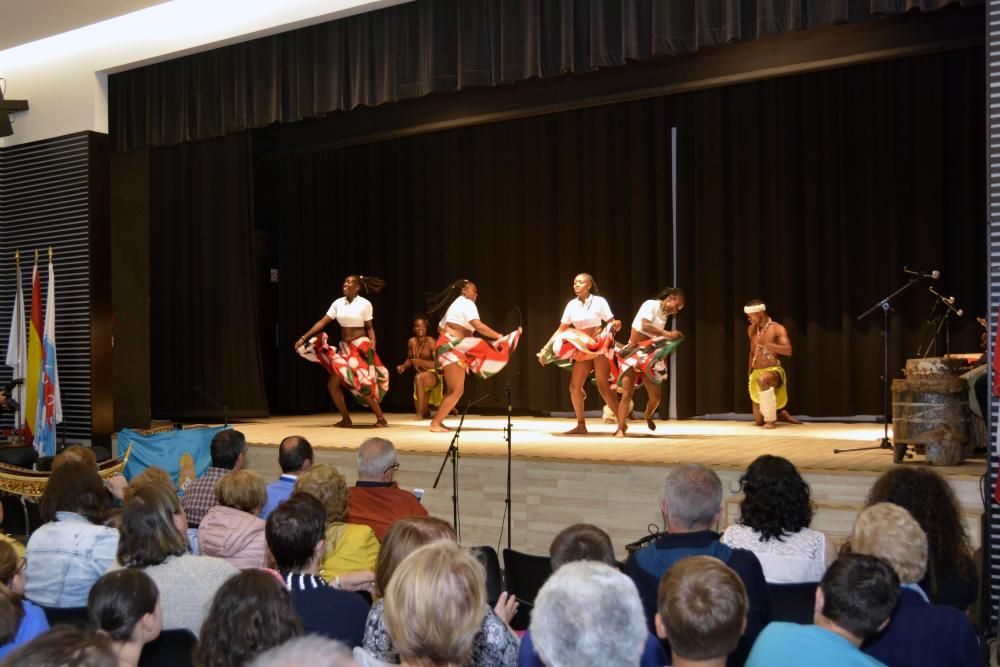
647, 565
65, 558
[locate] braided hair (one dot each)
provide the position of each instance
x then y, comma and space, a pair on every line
443, 299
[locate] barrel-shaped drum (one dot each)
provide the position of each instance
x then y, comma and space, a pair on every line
930, 410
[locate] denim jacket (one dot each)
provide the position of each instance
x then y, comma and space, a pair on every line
65, 558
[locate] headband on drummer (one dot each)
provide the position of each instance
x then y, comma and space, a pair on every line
756, 308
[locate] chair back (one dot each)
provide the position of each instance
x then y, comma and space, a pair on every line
494, 582
73, 616
524, 575
793, 603
173, 648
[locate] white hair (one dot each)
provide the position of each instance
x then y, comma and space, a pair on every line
588, 613
308, 651
375, 455
693, 494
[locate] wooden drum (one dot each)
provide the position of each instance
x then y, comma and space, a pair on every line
930, 410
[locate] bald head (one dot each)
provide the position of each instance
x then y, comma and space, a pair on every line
295, 455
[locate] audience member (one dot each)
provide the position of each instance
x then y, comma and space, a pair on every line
588, 613
349, 547
149, 474
70, 552
495, 644
229, 452
65, 646
125, 606
691, 504
295, 538
18, 547
308, 651
77, 453
775, 514
295, 456
376, 500
251, 613
853, 602
919, 633
232, 530
152, 539
20, 620
435, 605
951, 577
702, 611
584, 542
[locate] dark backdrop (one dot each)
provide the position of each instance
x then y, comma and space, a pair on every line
810, 192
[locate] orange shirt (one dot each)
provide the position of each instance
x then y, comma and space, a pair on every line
378, 504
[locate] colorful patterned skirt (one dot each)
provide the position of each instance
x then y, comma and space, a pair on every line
476, 355
647, 357
575, 345
360, 370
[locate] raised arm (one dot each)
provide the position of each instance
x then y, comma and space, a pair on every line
482, 328
652, 330
314, 329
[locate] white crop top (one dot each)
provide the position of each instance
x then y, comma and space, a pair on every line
649, 310
587, 314
353, 314
461, 312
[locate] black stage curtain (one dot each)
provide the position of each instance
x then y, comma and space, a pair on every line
203, 308
810, 192
427, 46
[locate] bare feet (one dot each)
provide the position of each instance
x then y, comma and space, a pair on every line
769, 425
439, 428
579, 429
650, 423
381, 423
344, 423
785, 416
619, 433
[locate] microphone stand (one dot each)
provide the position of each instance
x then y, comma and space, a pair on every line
508, 436
216, 403
886, 308
452, 454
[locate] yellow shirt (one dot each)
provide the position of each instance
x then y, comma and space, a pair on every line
349, 548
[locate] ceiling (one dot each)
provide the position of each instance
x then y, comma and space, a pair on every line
25, 21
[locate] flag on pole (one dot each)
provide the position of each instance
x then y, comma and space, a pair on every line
49, 401
34, 367
17, 348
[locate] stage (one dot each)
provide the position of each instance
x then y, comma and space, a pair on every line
614, 483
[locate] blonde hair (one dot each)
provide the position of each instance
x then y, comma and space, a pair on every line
241, 489
435, 604
889, 532
326, 484
150, 475
402, 538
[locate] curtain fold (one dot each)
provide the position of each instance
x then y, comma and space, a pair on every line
427, 46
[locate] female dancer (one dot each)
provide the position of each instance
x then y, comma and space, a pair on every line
355, 365
459, 351
427, 383
643, 360
585, 346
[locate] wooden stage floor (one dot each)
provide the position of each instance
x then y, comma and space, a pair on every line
728, 445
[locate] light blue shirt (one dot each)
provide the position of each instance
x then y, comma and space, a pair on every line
65, 558
277, 493
794, 644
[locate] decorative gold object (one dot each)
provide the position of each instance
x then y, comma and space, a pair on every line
32, 483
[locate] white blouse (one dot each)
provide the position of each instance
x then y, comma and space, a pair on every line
461, 312
796, 558
649, 310
353, 314
587, 314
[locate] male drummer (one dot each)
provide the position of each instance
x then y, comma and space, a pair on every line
767, 384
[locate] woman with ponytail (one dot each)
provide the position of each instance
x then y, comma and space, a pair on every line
355, 365
458, 351
124, 605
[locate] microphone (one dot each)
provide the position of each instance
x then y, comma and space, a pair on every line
948, 301
932, 275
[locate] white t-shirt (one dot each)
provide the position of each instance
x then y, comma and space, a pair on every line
353, 314
461, 312
587, 314
649, 310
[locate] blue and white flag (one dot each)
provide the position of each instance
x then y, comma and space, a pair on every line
49, 401
185, 454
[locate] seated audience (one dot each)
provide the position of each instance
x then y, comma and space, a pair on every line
435, 605
588, 613
229, 452
66, 646
125, 606
20, 620
581, 542
70, 552
349, 547
308, 651
251, 613
232, 530
376, 500
150, 474
495, 644
295, 538
17, 546
691, 504
153, 526
115, 485
951, 577
919, 633
295, 456
853, 602
702, 611
775, 514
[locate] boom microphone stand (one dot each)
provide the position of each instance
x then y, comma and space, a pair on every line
508, 436
452, 454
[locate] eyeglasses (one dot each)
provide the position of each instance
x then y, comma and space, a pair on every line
394, 466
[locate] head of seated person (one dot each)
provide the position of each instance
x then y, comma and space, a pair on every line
295, 532
242, 490
890, 533
328, 485
581, 541
65, 645
75, 487
776, 500
125, 605
403, 538
77, 453
153, 527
